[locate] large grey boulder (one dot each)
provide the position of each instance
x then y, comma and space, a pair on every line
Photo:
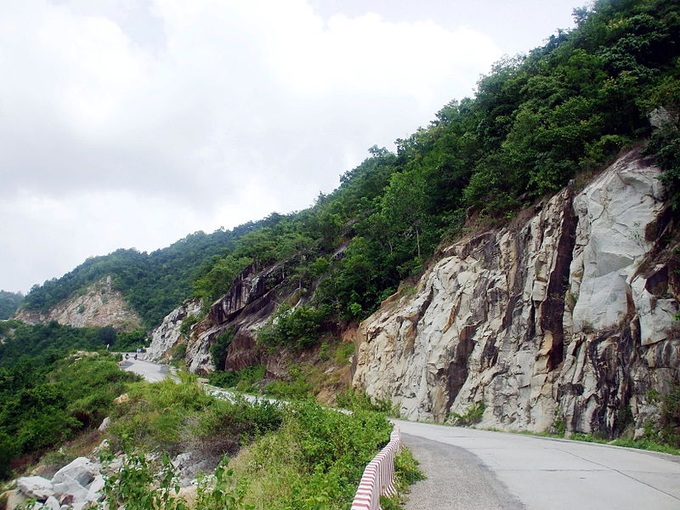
82, 471
75, 486
35, 487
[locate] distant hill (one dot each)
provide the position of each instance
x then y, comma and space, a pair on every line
152, 283
9, 302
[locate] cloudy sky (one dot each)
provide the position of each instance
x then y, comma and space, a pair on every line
132, 123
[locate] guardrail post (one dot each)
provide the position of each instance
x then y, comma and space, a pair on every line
378, 478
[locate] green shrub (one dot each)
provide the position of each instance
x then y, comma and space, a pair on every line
471, 417
218, 350
248, 379
296, 388
178, 353
298, 327
314, 461
171, 417
355, 400
670, 417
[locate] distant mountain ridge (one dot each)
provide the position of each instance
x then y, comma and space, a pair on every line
9, 302
152, 284
98, 305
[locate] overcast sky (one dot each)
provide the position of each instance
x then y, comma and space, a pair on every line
132, 123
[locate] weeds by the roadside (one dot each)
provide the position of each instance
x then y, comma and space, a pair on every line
406, 473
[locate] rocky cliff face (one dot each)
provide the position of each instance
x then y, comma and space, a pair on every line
98, 306
244, 309
566, 315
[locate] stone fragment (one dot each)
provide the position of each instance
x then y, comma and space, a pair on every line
82, 470
35, 487
105, 424
52, 503
95, 491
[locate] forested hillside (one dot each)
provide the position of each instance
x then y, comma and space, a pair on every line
537, 121
562, 112
47, 395
9, 302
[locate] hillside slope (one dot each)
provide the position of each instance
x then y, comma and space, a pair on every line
564, 318
98, 305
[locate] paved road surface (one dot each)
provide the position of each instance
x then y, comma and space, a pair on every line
151, 372
473, 469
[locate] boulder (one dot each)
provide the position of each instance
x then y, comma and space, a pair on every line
70, 491
35, 487
121, 399
82, 471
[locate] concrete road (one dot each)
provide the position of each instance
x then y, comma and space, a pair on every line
474, 469
151, 372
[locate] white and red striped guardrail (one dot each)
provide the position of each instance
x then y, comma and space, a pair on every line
378, 477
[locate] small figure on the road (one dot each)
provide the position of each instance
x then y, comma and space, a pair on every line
126, 356
135, 356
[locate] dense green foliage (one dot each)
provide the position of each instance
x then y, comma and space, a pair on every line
536, 122
44, 402
9, 302
44, 344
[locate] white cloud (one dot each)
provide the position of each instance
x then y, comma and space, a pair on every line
133, 123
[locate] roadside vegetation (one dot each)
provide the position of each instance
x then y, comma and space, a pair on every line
252, 454
264, 455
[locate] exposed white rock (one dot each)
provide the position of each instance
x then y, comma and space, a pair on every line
74, 486
98, 306
550, 319
95, 492
35, 487
168, 335
613, 213
82, 470
105, 424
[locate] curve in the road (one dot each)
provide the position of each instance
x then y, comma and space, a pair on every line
474, 469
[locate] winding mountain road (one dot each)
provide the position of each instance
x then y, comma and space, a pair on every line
151, 372
475, 469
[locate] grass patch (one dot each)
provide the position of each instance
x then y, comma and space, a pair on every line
406, 472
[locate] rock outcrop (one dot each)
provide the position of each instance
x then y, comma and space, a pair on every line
166, 337
99, 305
247, 306
565, 316
77, 485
